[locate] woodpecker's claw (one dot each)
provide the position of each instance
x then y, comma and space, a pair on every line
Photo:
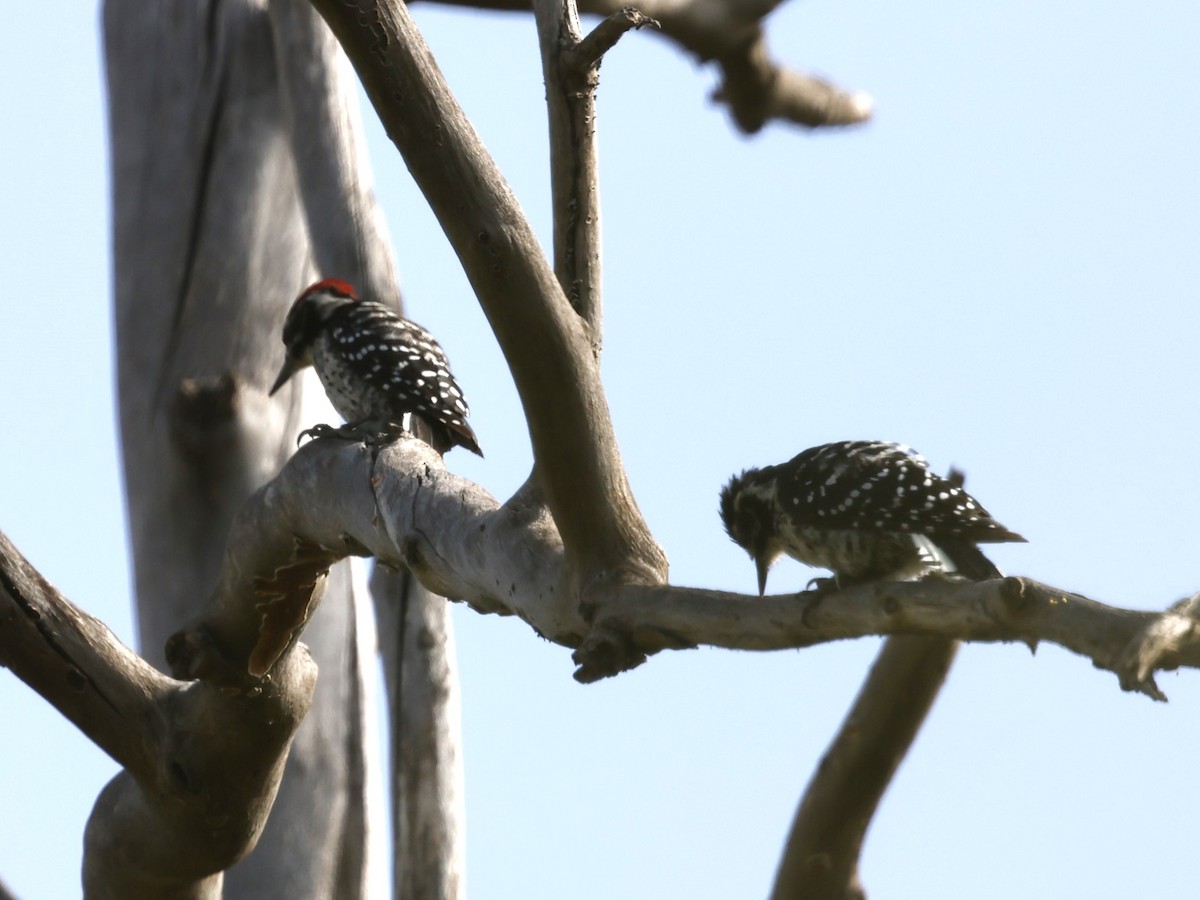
370, 432
347, 432
822, 587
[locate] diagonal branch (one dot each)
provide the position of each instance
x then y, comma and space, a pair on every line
78, 665
821, 856
547, 347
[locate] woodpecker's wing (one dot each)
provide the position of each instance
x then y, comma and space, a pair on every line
881, 486
403, 361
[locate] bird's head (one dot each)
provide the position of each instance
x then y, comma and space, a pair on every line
304, 322
749, 516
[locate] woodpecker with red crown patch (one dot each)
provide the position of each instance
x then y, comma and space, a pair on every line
376, 366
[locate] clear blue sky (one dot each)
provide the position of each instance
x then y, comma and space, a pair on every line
1001, 270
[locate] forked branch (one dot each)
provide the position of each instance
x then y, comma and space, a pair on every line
755, 86
201, 763
546, 345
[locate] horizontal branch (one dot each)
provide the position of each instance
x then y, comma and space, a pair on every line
401, 505
1009, 609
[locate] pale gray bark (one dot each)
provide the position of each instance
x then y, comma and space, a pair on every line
428, 805
238, 174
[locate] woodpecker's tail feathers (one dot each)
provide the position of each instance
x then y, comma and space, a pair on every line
968, 560
445, 436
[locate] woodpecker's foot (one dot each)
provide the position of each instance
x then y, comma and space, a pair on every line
822, 587
378, 434
351, 431
815, 593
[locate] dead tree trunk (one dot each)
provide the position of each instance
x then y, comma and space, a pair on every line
238, 175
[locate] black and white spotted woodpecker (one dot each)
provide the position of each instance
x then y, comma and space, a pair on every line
867, 510
375, 365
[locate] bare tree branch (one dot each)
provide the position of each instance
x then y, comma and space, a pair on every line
574, 168
428, 811
201, 763
77, 664
756, 87
400, 504
820, 861
590, 50
758, 90
216, 204
571, 68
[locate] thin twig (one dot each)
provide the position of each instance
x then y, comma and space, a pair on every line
590, 51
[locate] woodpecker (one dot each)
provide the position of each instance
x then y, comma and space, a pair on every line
375, 365
867, 510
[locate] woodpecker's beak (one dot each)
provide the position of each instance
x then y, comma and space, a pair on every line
290, 367
763, 564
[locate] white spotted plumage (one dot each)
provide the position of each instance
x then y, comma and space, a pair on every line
864, 509
375, 364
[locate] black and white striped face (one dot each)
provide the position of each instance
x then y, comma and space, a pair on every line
748, 511
306, 322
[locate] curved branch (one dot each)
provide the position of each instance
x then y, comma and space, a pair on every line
201, 762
